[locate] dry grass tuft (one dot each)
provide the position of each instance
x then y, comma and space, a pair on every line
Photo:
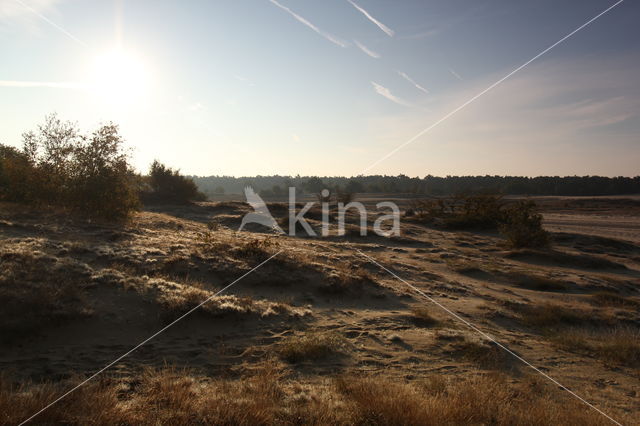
310, 346
486, 355
422, 316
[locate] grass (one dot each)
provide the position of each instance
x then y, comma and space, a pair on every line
422, 316
547, 317
537, 282
38, 290
609, 298
616, 346
310, 346
268, 396
486, 355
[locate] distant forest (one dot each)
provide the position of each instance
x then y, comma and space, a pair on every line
271, 186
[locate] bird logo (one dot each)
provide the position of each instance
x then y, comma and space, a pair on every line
261, 212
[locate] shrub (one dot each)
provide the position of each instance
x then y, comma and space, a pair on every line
85, 173
480, 211
169, 186
15, 170
519, 222
522, 226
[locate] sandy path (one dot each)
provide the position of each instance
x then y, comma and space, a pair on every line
610, 226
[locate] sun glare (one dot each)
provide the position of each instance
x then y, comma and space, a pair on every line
118, 77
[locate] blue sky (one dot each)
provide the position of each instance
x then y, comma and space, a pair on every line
246, 87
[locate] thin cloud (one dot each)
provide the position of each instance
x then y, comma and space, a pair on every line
410, 80
383, 91
366, 50
380, 25
302, 20
455, 74
50, 84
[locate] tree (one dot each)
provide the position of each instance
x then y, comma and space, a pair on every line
168, 186
90, 174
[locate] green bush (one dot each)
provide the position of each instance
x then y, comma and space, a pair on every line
522, 226
169, 186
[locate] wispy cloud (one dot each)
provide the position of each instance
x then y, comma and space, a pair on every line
383, 91
50, 84
410, 80
455, 74
302, 20
380, 25
366, 50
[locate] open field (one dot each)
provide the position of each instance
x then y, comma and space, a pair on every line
319, 334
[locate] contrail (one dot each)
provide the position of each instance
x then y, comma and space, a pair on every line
383, 91
326, 35
366, 50
410, 80
380, 25
53, 24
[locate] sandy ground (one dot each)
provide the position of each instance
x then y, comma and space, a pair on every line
135, 279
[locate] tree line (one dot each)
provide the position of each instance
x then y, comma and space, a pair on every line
275, 186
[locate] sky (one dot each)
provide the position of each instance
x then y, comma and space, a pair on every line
334, 87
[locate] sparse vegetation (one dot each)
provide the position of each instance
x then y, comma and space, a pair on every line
312, 345
422, 316
550, 317
37, 291
485, 354
616, 346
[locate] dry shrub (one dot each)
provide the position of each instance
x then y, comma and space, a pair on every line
257, 248
310, 346
347, 278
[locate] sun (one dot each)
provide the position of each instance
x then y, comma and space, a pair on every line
118, 77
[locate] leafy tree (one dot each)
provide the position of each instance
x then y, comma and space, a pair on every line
169, 186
